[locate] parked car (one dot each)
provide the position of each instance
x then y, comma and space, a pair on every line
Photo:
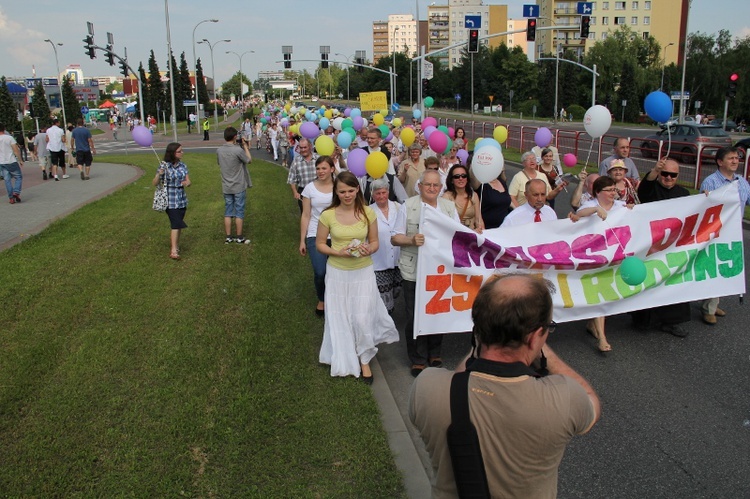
742, 146
685, 139
674, 120
731, 125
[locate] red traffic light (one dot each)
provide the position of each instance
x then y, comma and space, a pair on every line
532, 23
734, 77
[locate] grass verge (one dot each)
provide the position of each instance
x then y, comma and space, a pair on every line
125, 373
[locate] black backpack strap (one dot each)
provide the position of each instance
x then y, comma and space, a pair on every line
463, 443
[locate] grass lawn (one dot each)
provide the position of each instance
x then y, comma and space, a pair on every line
123, 372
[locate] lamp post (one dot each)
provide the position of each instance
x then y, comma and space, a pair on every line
57, 63
242, 94
347, 72
663, 61
195, 66
213, 75
684, 65
393, 76
173, 117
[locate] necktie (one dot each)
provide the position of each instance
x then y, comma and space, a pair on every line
537, 216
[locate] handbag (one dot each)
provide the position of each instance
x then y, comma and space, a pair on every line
161, 198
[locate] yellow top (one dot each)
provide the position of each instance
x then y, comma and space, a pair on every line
342, 235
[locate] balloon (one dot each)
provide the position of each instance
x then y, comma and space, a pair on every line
337, 123
633, 270
347, 123
542, 137
430, 121
443, 129
309, 116
344, 140
384, 131
324, 145
416, 114
376, 164
355, 112
451, 132
378, 119
350, 131
293, 110
658, 106
389, 138
438, 140
142, 136
356, 162
263, 120
357, 122
347, 112
407, 136
487, 142
427, 131
328, 114
309, 130
597, 120
429, 102
487, 164
570, 160
449, 146
324, 123
500, 134
384, 112
396, 122
285, 122
462, 155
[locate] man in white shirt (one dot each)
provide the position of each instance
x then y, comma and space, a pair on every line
55, 146
10, 164
535, 209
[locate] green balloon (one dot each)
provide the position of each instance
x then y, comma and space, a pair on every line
350, 131
263, 120
429, 101
443, 129
633, 271
347, 123
384, 130
450, 143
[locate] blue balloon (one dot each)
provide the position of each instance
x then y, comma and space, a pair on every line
488, 142
324, 123
355, 112
309, 116
395, 107
344, 140
658, 106
417, 114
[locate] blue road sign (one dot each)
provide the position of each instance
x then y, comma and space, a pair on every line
84, 110
473, 22
531, 11
585, 8
458, 96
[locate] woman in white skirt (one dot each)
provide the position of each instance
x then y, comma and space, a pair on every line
356, 319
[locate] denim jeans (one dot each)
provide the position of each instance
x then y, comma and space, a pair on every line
234, 205
318, 261
12, 170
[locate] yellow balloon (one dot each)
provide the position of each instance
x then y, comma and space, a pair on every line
384, 112
322, 107
477, 140
376, 164
324, 145
378, 119
396, 122
500, 134
287, 107
328, 114
407, 136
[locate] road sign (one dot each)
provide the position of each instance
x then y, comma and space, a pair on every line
585, 8
531, 11
676, 95
427, 70
187, 103
458, 97
84, 110
473, 21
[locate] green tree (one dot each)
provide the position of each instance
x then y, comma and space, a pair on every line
232, 86
628, 92
72, 106
40, 105
8, 110
200, 81
185, 82
180, 92
155, 100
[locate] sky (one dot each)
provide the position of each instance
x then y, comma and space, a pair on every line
261, 26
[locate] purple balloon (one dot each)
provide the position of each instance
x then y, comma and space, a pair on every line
356, 162
347, 112
543, 137
309, 130
427, 131
357, 122
284, 122
390, 137
142, 136
462, 155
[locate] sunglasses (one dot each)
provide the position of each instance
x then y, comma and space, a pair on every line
669, 174
460, 175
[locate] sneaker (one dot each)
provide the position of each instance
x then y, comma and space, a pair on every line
87, 178
56, 178
17, 197
66, 176
83, 177
12, 200
44, 175
674, 330
241, 240
228, 240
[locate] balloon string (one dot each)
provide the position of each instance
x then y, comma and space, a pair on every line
669, 142
591, 147
614, 233
157, 156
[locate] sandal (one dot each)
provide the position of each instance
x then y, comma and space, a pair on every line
174, 256
602, 343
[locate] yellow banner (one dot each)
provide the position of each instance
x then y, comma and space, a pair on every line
373, 101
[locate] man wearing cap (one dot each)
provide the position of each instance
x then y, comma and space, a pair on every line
621, 150
411, 168
535, 209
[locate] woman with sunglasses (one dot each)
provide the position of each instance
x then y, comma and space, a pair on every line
458, 190
605, 201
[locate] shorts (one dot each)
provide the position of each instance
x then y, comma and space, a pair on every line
177, 218
84, 158
234, 205
57, 158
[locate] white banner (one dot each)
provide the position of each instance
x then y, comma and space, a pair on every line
691, 246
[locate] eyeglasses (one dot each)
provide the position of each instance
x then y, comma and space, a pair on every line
432, 186
460, 175
610, 189
669, 174
550, 327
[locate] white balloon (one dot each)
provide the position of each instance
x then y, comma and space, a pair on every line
597, 121
487, 164
337, 123
293, 110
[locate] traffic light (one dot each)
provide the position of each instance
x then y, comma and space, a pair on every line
585, 25
110, 56
361, 63
732, 87
124, 69
531, 30
473, 41
324, 61
287, 61
89, 41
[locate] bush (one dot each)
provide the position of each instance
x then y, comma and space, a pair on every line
577, 112
527, 107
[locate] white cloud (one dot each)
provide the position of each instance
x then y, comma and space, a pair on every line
22, 46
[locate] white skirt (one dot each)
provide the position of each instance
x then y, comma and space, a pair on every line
356, 320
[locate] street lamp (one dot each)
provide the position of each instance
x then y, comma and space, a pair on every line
393, 76
213, 75
173, 117
242, 94
663, 61
195, 66
347, 72
57, 63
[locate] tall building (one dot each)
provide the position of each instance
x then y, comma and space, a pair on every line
447, 25
517, 39
396, 34
665, 20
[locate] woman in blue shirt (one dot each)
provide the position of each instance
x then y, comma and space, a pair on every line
174, 173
